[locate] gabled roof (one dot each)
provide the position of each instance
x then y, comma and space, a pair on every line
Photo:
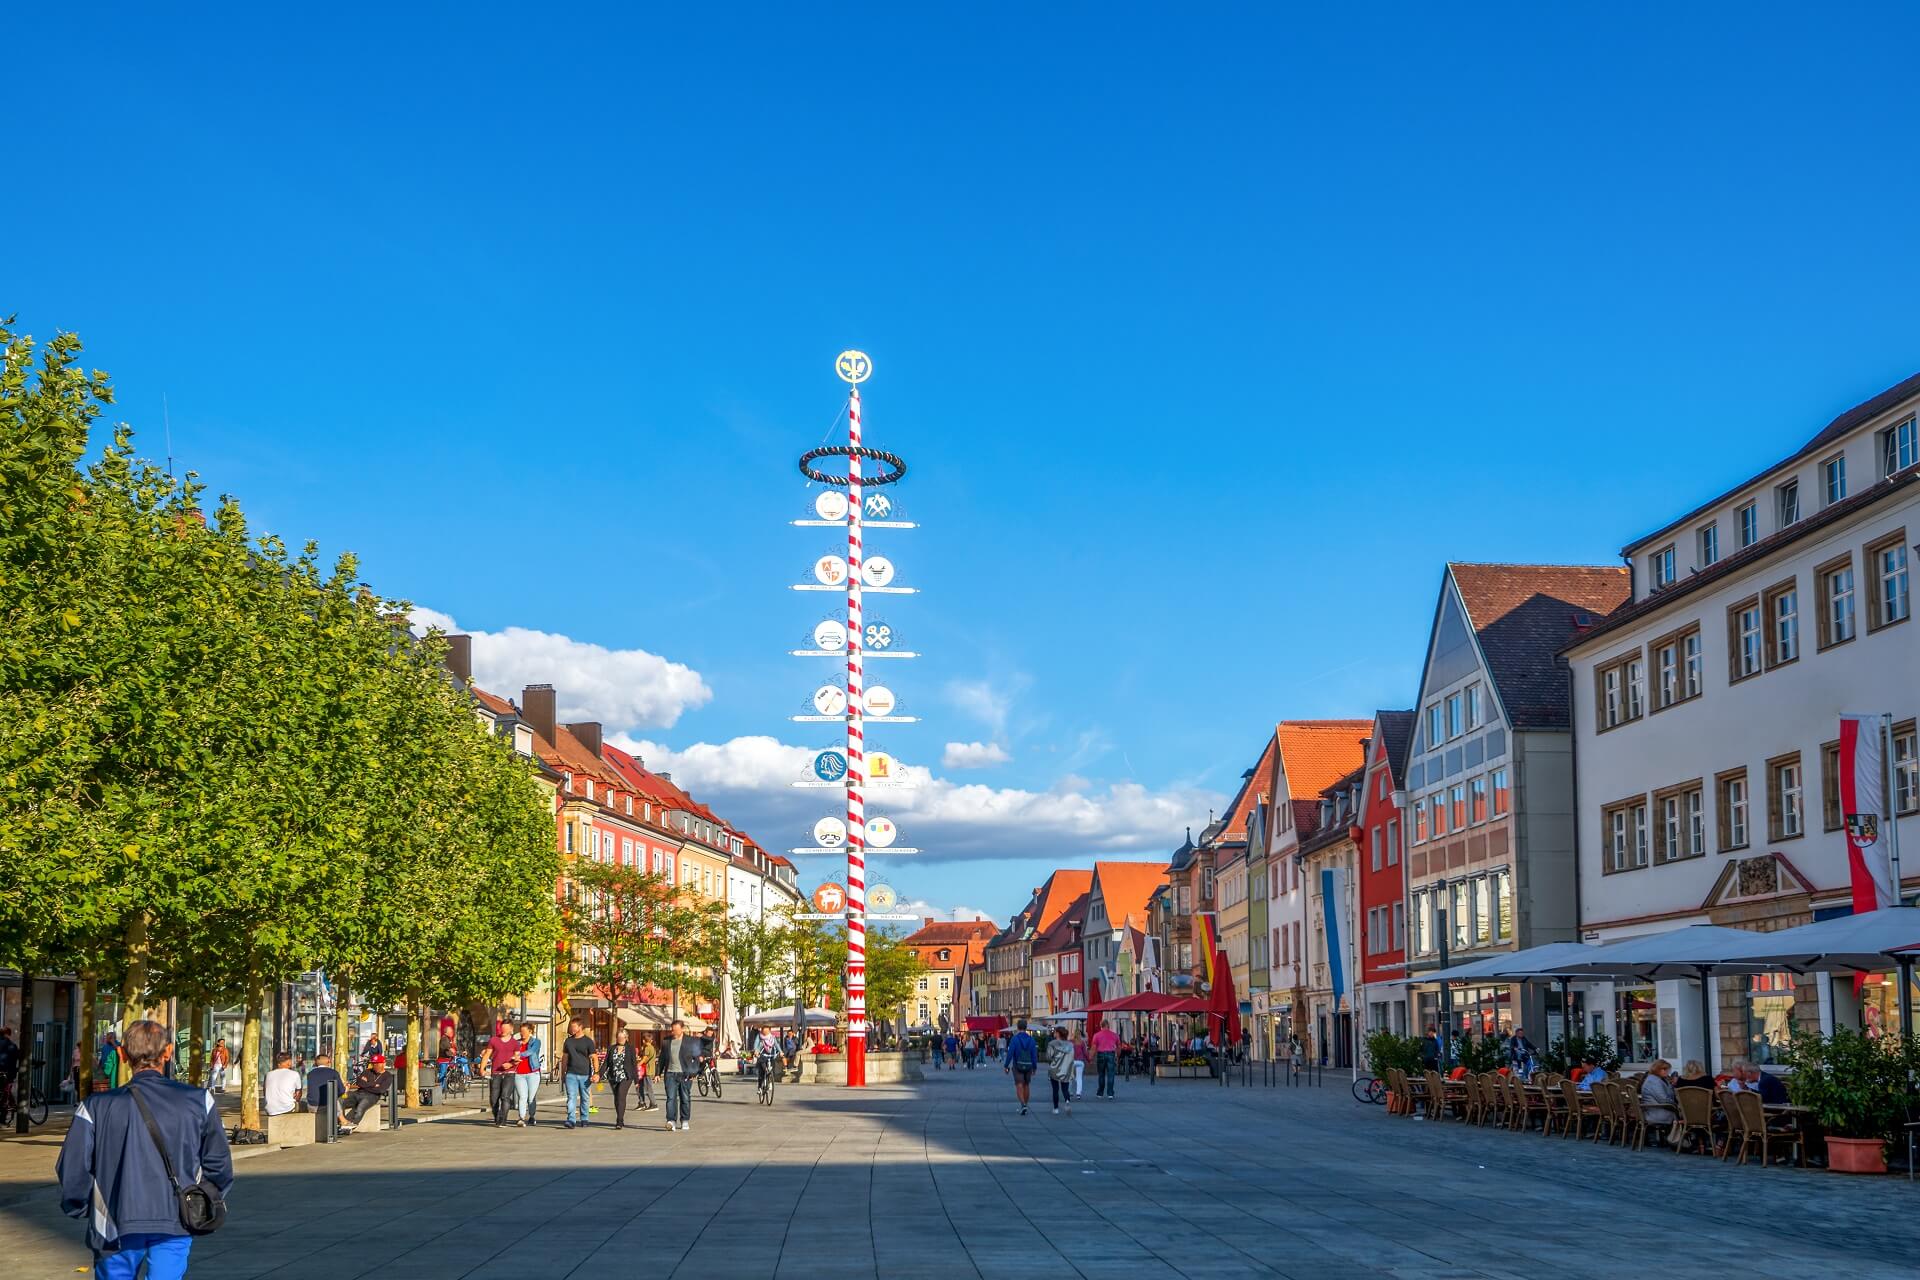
1125, 887
1315, 753
1057, 894
493, 702
1064, 934
1395, 731
1860, 414
1521, 615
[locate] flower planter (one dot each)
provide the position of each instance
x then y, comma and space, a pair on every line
1856, 1155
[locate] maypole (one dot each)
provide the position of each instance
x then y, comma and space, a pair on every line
859, 640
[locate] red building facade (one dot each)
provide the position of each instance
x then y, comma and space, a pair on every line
1383, 885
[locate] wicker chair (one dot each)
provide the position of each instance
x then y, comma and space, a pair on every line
1696, 1116
1606, 1097
1526, 1106
1747, 1121
1437, 1100
1474, 1109
1634, 1120
1556, 1106
1580, 1109
1494, 1086
1419, 1094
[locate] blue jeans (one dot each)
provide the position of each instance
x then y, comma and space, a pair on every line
165, 1256
577, 1096
679, 1097
1103, 1085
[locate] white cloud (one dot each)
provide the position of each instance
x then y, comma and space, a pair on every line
927, 911
985, 700
621, 688
750, 780
973, 755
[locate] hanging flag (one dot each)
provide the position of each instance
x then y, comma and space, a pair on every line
1333, 894
1861, 806
1204, 940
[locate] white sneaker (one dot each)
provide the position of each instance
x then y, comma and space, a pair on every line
683, 1126
1056, 1111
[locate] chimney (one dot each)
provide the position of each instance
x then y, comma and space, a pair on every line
588, 731
459, 658
537, 709
664, 777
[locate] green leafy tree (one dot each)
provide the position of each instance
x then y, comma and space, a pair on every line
756, 951
627, 929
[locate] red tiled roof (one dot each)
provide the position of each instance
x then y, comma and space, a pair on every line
1057, 894
971, 936
1126, 886
1062, 935
1317, 753
1522, 614
494, 702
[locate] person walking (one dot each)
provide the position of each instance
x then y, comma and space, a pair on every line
679, 1063
498, 1056
576, 1067
952, 1046
129, 1151
618, 1070
1079, 1066
526, 1075
216, 1066
1106, 1050
1022, 1060
1060, 1069
649, 1068
109, 1067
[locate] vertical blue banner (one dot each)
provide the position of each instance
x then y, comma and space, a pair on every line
1332, 885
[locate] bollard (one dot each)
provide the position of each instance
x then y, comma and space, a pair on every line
326, 1118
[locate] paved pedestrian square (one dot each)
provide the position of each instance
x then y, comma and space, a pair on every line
943, 1179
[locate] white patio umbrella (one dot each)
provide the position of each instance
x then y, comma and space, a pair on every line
1868, 942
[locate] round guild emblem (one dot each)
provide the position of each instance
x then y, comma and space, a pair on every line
878, 701
878, 635
830, 571
830, 700
830, 898
878, 506
830, 635
877, 572
853, 366
881, 834
881, 897
880, 766
829, 833
830, 766
831, 505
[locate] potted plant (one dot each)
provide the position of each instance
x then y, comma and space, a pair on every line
1386, 1050
1855, 1089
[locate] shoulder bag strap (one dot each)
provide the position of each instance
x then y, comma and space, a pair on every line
153, 1131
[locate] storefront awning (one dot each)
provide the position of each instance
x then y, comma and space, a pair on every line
985, 1025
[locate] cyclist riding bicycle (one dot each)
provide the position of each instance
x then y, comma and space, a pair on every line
766, 1051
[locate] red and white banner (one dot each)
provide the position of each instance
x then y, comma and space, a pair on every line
1862, 809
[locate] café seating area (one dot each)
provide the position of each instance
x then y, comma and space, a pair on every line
1730, 1125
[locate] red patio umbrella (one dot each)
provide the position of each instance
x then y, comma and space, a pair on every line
1093, 1005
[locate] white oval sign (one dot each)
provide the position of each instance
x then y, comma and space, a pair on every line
877, 572
831, 505
830, 700
829, 833
881, 897
880, 767
878, 701
853, 366
830, 570
880, 834
830, 635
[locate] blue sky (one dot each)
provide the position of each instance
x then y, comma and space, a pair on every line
1208, 337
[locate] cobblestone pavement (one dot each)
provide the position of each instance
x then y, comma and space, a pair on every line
943, 1179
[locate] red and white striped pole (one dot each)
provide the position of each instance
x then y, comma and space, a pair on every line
856, 773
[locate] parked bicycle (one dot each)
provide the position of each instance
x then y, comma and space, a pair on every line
1370, 1089
36, 1100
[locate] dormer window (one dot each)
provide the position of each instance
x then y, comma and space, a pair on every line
569, 780
1709, 544
1786, 500
1660, 568
589, 788
1749, 520
1899, 447
1833, 479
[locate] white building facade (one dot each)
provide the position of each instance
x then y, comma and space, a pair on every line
1706, 716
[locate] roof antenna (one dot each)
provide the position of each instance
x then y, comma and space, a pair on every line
166, 426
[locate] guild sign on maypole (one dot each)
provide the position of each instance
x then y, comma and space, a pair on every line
857, 639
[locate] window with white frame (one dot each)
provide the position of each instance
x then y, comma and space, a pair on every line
1679, 830
1836, 602
1393, 842
1626, 830
1636, 688
1786, 813
1906, 769
1477, 800
1899, 448
1747, 638
1783, 624
1502, 796
1660, 567
1456, 715
1436, 725
1476, 714
1748, 518
1691, 664
1732, 804
1379, 842
1833, 479
1709, 536
1891, 603
1786, 504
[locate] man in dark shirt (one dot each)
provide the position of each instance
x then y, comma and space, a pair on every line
576, 1065
369, 1087
501, 1050
324, 1086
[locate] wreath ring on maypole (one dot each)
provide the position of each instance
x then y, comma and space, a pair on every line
812, 473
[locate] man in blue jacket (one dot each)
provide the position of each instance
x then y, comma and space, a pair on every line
111, 1173
1023, 1058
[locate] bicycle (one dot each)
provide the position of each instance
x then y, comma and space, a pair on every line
36, 1100
709, 1079
1370, 1089
766, 1085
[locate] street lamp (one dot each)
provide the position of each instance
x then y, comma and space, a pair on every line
1446, 988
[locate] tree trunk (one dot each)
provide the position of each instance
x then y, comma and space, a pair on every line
89, 1019
250, 1051
133, 988
197, 1043
409, 1092
342, 1028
